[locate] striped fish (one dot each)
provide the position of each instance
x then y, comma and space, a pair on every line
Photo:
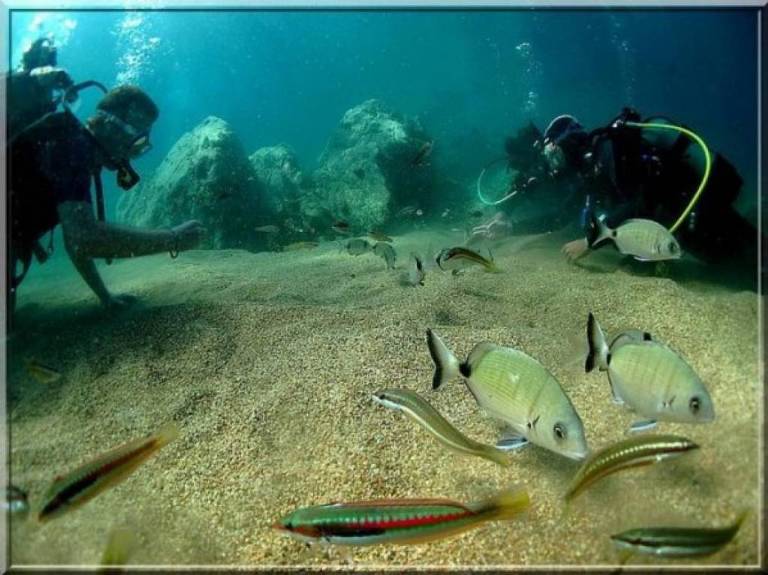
516, 389
677, 541
415, 407
458, 257
648, 377
79, 486
397, 521
632, 452
41, 373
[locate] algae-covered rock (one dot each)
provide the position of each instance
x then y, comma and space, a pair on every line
278, 172
373, 164
206, 176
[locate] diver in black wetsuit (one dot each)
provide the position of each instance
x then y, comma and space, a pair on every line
52, 165
624, 171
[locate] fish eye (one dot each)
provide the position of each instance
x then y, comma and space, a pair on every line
694, 405
672, 247
560, 432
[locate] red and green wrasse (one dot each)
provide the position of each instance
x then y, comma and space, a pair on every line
398, 521
80, 485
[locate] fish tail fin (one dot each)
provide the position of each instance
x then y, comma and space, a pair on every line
598, 349
740, 519
446, 364
505, 505
596, 230
166, 434
121, 543
492, 267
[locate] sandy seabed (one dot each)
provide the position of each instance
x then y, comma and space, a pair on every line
267, 362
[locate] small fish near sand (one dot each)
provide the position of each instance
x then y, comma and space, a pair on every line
409, 212
72, 490
387, 253
650, 378
298, 246
677, 541
418, 409
458, 258
632, 452
41, 373
398, 521
268, 229
517, 390
379, 236
16, 501
645, 240
416, 273
121, 543
341, 227
357, 247
422, 154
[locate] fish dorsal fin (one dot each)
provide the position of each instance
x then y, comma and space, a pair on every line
479, 352
643, 221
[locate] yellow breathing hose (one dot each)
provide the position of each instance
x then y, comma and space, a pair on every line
707, 169
680, 129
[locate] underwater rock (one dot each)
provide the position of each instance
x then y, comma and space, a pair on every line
368, 169
280, 176
206, 176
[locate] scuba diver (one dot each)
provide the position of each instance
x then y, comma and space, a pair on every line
31, 87
51, 166
630, 168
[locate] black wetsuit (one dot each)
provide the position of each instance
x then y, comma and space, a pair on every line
630, 177
51, 163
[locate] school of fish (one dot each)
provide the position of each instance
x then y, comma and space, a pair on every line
645, 376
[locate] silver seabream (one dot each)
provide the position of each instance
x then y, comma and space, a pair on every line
517, 390
649, 377
645, 240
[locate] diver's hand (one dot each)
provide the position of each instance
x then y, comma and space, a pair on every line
118, 302
575, 249
52, 78
188, 235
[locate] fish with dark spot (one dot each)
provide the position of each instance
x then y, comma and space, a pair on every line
423, 154
340, 227
650, 378
387, 253
357, 247
416, 272
379, 236
296, 246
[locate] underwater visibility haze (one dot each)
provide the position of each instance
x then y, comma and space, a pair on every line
417, 287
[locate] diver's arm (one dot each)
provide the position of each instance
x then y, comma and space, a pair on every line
86, 238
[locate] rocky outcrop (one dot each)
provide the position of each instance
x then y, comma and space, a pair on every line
374, 163
206, 176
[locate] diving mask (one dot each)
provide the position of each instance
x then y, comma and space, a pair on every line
139, 143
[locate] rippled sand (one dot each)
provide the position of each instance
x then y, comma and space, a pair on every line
268, 361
